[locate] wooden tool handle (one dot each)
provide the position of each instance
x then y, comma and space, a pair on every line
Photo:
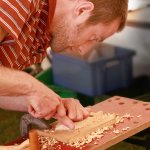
33, 139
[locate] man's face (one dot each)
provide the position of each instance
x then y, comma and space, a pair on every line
80, 38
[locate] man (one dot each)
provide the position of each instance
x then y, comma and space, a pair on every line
28, 27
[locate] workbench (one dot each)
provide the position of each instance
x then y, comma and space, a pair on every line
140, 121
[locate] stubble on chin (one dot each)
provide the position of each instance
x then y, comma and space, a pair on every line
64, 37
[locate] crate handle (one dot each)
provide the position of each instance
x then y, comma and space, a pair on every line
112, 63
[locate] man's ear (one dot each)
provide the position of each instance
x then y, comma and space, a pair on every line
83, 9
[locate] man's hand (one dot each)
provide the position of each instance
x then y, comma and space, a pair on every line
42, 101
21, 92
70, 111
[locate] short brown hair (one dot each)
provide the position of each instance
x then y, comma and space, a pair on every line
106, 11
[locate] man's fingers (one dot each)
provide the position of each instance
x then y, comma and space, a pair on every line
76, 111
61, 116
79, 110
82, 112
70, 106
66, 121
86, 112
47, 117
31, 110
61, 110
45, 109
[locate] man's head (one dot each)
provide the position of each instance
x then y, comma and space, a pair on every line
79, 24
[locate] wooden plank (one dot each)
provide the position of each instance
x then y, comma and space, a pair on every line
91, 124
121, 106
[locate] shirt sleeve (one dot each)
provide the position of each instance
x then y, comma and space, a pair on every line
13, 14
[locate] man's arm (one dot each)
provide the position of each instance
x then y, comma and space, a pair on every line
3, 34
22, 92
14, 83
13, 103
38, 99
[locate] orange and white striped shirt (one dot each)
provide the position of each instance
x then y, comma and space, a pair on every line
26, 23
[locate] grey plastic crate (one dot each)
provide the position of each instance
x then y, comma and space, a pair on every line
108, 68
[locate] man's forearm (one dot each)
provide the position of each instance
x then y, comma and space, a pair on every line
13, 103
14, 83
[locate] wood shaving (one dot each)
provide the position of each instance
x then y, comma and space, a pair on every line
125, 129
94, 127
128, 116
47, 142
116, 131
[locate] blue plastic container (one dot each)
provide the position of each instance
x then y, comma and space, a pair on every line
108, 71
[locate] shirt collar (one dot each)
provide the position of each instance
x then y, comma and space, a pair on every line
51, 11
